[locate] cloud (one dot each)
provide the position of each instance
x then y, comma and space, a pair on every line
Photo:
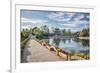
78, 17
61, 16
75, 26
30, 23
71, 20
69, 25
58, 16
34, 21
66, 16
81, 16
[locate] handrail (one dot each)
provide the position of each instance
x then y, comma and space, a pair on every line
24, 42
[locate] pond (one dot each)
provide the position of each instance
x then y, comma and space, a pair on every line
72, 45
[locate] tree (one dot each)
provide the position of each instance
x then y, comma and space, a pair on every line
37, 32
24, 34
57, 31
69, 32
45, 29
64, 32
84, 32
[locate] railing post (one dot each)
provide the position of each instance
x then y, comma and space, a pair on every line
69, 56
57, 52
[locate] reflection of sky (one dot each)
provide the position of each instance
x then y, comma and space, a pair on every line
70, 45
65, 20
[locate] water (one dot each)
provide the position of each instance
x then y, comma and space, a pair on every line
71, 45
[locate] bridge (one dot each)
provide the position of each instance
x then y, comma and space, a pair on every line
35, 52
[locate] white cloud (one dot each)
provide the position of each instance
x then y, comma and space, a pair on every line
59, 16
81, 16
70, 14
81, 22
67, 18
34, 21
69, 25
88, 16
77, 18
30, 23
76, 24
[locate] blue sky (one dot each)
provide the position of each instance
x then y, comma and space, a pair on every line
75, 21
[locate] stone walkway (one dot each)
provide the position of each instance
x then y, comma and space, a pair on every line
39, 53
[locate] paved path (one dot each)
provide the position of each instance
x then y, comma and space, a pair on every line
39, 53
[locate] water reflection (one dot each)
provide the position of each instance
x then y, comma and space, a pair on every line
56, 41
84, 42
64, 41
70, 44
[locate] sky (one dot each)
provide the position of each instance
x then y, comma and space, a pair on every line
75, 21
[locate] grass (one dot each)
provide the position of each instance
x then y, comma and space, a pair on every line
85, 56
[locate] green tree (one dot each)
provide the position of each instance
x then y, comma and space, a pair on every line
57, 31
45, 29
64, 32
84, 32
24, 34
69, 32
37, 32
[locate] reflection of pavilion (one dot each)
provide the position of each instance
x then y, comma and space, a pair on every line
69, 40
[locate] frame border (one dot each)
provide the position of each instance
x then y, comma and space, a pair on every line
11, 10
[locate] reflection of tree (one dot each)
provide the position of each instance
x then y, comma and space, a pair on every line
57, 41
64, 41
69, 40
85, 42
76, 39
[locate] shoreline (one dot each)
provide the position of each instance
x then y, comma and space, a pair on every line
64, 54
84, 38
40, 51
